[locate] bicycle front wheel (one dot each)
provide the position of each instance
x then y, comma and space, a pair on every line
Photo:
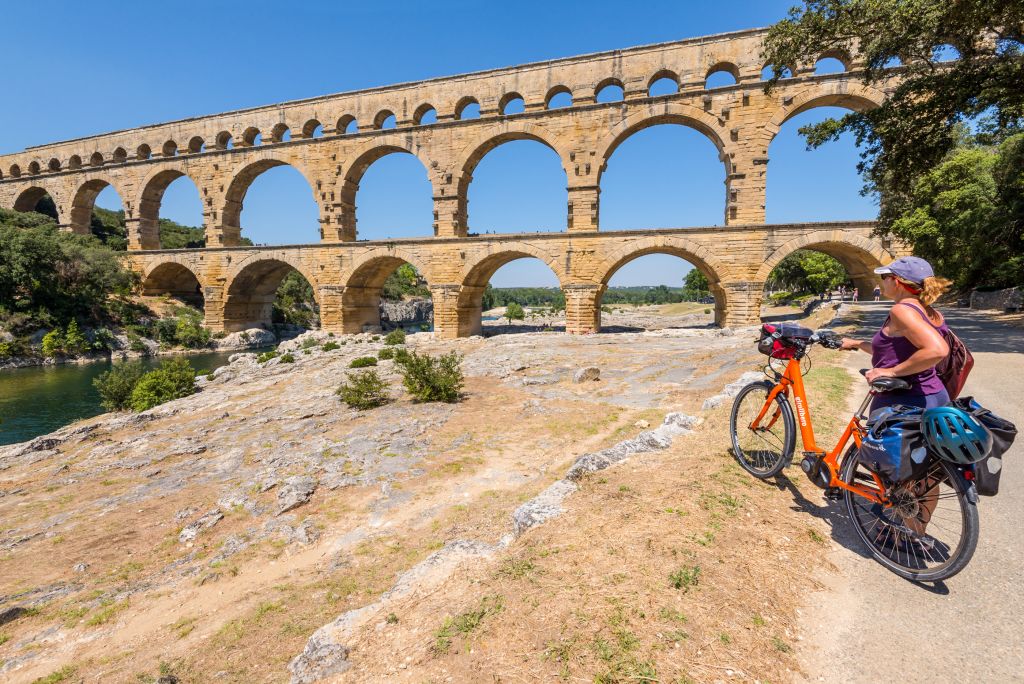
930, 531
764, 449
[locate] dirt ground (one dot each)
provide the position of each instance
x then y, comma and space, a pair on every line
672, 566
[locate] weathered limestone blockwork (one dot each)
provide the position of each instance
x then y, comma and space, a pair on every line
221, 155
348, 277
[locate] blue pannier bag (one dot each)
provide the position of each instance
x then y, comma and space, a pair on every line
894, 446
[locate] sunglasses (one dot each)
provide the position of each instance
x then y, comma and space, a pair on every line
887, 276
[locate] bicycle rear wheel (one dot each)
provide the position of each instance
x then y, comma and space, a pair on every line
763, 451
931, 530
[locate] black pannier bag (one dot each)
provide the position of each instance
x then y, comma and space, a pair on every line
776, 341
988, 470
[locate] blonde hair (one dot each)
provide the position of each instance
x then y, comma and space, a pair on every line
933, 288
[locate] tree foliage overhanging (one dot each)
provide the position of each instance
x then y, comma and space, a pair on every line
929, 101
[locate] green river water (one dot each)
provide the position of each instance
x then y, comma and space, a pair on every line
38, 400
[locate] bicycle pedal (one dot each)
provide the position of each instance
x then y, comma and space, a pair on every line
833, 493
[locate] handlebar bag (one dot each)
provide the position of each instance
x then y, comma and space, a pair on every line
988, 471
894, 446
778, 341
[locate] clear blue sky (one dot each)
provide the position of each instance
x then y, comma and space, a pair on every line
74, 68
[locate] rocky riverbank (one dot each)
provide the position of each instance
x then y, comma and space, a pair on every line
261, 522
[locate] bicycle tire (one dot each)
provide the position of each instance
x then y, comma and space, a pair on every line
884, 546
777, 450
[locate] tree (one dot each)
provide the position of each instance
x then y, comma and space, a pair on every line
805, 271
695, 286
405, 282
916, 127
514, 312
294, 302
966, 216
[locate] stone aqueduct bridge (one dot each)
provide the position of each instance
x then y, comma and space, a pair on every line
332, 140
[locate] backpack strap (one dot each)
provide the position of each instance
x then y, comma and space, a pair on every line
920, 313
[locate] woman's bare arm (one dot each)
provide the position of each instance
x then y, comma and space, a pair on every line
931, 348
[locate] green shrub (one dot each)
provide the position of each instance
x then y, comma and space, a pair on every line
364, 390
375, 338
117, 384
53, 343
401, 355
309, 343
386, 353
189, 333
6, 350
287, 358
75, 343
707, 311
514, 311
430, 378
396, 336
102, 339
174, 379
331, 346
165, 331
136, 344
266, 356
363, 362
425, 327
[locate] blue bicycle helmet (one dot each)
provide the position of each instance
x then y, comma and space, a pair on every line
955, 435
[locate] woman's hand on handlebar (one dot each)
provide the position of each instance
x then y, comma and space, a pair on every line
849, 344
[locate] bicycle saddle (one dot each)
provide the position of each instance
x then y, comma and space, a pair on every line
886, 384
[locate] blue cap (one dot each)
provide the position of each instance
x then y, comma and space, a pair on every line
911, 269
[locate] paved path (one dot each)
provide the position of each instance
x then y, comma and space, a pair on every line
872, 626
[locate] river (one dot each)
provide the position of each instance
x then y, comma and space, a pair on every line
38, 400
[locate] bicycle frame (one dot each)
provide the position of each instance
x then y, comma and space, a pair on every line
792, 381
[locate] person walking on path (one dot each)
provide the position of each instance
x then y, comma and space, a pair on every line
911, 341
856, 294
878, 293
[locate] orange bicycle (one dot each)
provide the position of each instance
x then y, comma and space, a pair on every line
923, 529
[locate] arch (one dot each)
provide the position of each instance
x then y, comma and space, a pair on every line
169, 149
511, 101
425, 114
14, 171
347, 124
859, 255
96, 159
357, 169
701, 258
143, 152
250, 287
75, 162
224, 141
472, 154
34, 168
53, 164
839, 54
361, 296
478, 274
85, 200
251, 136
120, 155
555, 92
463, 109
660, 76
196, 145
768, 71
149, 201
312, 129
380, 122
279, 133
669, 113
849, 96
615, 94
721, 75
234, 197
29, 199
176, 279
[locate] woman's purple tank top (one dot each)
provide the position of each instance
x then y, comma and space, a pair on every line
887, 352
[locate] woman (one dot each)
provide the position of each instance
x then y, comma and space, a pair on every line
910, 343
